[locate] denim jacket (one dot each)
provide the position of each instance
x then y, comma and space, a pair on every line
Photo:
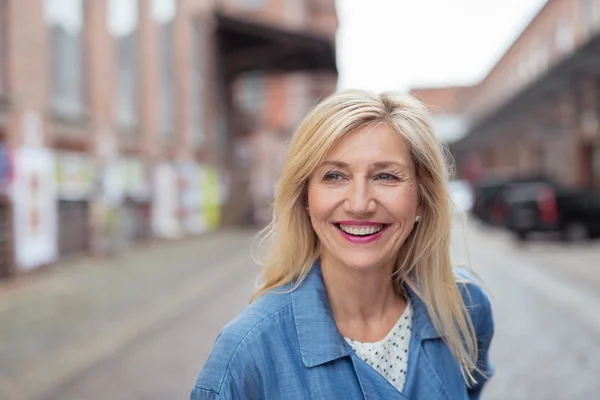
287, 347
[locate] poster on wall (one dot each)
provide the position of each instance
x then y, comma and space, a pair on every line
190, 196
135, 179
35, 208
165, 203
211, 196
75, 176
112, 184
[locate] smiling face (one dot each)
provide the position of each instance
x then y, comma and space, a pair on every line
363, 199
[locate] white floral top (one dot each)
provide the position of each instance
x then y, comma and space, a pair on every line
389, 356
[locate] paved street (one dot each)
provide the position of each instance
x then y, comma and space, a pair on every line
76, 332
546, 301
141, 327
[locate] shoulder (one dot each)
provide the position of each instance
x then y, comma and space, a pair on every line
243, 340
476, 299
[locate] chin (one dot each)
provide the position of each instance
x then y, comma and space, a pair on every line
364, 261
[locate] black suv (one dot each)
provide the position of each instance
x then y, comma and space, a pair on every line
547, 207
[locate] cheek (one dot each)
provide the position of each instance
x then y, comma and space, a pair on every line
321, 202
402, 203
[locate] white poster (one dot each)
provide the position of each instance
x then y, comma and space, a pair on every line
165, 202
75, 176
35, 208
32, 129
192, 218
135, 178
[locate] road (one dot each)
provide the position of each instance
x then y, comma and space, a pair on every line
546, 301
145, 324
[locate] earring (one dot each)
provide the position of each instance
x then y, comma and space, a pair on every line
418, 218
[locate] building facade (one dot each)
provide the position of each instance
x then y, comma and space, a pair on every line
446, 107
537, 111
124, 119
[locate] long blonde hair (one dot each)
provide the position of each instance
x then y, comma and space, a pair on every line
424, 259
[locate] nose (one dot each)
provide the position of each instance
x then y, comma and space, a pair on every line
359, 199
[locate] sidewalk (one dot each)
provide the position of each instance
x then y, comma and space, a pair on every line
58, 322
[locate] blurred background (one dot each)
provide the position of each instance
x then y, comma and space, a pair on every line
140, 142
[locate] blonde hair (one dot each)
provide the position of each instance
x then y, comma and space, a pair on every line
424, 259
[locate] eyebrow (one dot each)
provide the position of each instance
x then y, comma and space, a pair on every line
338, 164
378, 164
390, 164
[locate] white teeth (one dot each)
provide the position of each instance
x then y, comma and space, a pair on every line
362, 231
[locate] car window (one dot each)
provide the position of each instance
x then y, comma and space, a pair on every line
521, 192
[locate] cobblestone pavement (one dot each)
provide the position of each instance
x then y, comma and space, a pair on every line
142, 327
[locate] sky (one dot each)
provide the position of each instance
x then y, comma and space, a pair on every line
398, 44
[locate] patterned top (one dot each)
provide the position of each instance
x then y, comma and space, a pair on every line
389, 356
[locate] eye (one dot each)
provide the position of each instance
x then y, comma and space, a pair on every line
387, 177
333, 177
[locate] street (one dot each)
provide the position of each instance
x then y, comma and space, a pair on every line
546, 300
141, 327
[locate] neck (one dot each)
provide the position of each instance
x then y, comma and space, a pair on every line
364, 303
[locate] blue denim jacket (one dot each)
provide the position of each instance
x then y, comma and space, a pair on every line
287, 346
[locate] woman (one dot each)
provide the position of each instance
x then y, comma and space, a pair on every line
358, 298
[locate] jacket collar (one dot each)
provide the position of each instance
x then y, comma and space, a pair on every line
318, 335
319, 338
423, 328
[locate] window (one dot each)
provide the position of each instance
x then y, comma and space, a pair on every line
2, 45
596, 168
537, 60
564, 39
588, 14
123, 25
299, 99
252, 3
197, 85
250, 94
221, 135
542, 56
163, 12
64, 19
295, 12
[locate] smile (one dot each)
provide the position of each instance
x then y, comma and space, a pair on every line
360, 230
361, 233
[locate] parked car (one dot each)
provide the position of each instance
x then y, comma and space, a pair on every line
546, 207
490, 205
486, 194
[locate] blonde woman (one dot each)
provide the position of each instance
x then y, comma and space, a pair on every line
358, 298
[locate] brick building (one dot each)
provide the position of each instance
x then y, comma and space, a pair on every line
122, 119
446, 107
537, 110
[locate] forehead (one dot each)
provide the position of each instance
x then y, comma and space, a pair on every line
371, 144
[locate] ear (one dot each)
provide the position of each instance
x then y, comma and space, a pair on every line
419, 214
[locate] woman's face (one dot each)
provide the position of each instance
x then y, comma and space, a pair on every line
363, 199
